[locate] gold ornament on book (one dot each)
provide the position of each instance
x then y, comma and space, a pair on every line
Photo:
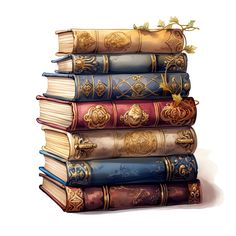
87, 88
75, 199
134, 117
84, 40
97, 117
117, 41
186, 140
194, 193
100, 88
179, 115
140, 142
85, 64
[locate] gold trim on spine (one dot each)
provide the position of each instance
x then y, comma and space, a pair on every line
156, 110
106, 197
75, 116
115, 148
114, 114
93, 82
169, 169
154, 62
78, 86
75, 41
110, 86
105, 64
140, 41
164, 194
96, 36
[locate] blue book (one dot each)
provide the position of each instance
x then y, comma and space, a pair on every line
120, 171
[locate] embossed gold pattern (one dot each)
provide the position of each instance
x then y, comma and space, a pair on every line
85, 64
100, 88
87, 88
186, 140
117, 41
175, 63
194, 193
179, 115
75, 199
134, 117
140, 142
97, 117
83, 40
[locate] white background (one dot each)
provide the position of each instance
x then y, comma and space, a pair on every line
28, 43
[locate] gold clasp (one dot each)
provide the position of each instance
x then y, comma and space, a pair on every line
83, 147
184, 141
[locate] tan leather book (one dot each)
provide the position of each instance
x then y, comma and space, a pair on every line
120, 41
103, 144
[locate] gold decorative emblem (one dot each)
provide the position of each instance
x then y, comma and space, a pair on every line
97, 117
186, 140
100, 88
194, 193
87, 88
83, 147
117, 41
140, 142
85, 64
179, 115
75, 200
135, 116
84, 41
175, 63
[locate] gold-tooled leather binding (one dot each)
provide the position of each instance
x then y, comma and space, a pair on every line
163, 194
169, 169
194, 193
154, 62
74, 200
106, 198
105, 64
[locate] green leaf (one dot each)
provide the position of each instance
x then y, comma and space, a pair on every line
161, 23
191, 23
174, 20
190, 49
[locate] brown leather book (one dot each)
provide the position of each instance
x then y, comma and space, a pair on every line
122, 196
120, 41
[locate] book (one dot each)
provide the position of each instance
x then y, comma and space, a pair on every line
74, 116
120, 170
120, 41
115, 87
103, 144
119, 197
121, 63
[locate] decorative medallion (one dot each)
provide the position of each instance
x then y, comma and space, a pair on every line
117, 41
140, 142
75, 200
134, 117
179, 115
175, 41
186, 140
87, 88
175, 63
85, 64
78, 173
84, 41
97, 117
194, 193
100, 88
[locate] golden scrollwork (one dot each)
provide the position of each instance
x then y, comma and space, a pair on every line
117, 41
100, 88
135, 116
75, 200
194, 193
178, 115
140, 142
84, 40
85, 64
87, 88
186, 140
175, 62
97, 117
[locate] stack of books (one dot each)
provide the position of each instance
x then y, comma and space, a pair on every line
117, 121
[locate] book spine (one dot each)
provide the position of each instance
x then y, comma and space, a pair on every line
127, 63
131, 171
133, 114
148, 142
127, 41
132, 196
